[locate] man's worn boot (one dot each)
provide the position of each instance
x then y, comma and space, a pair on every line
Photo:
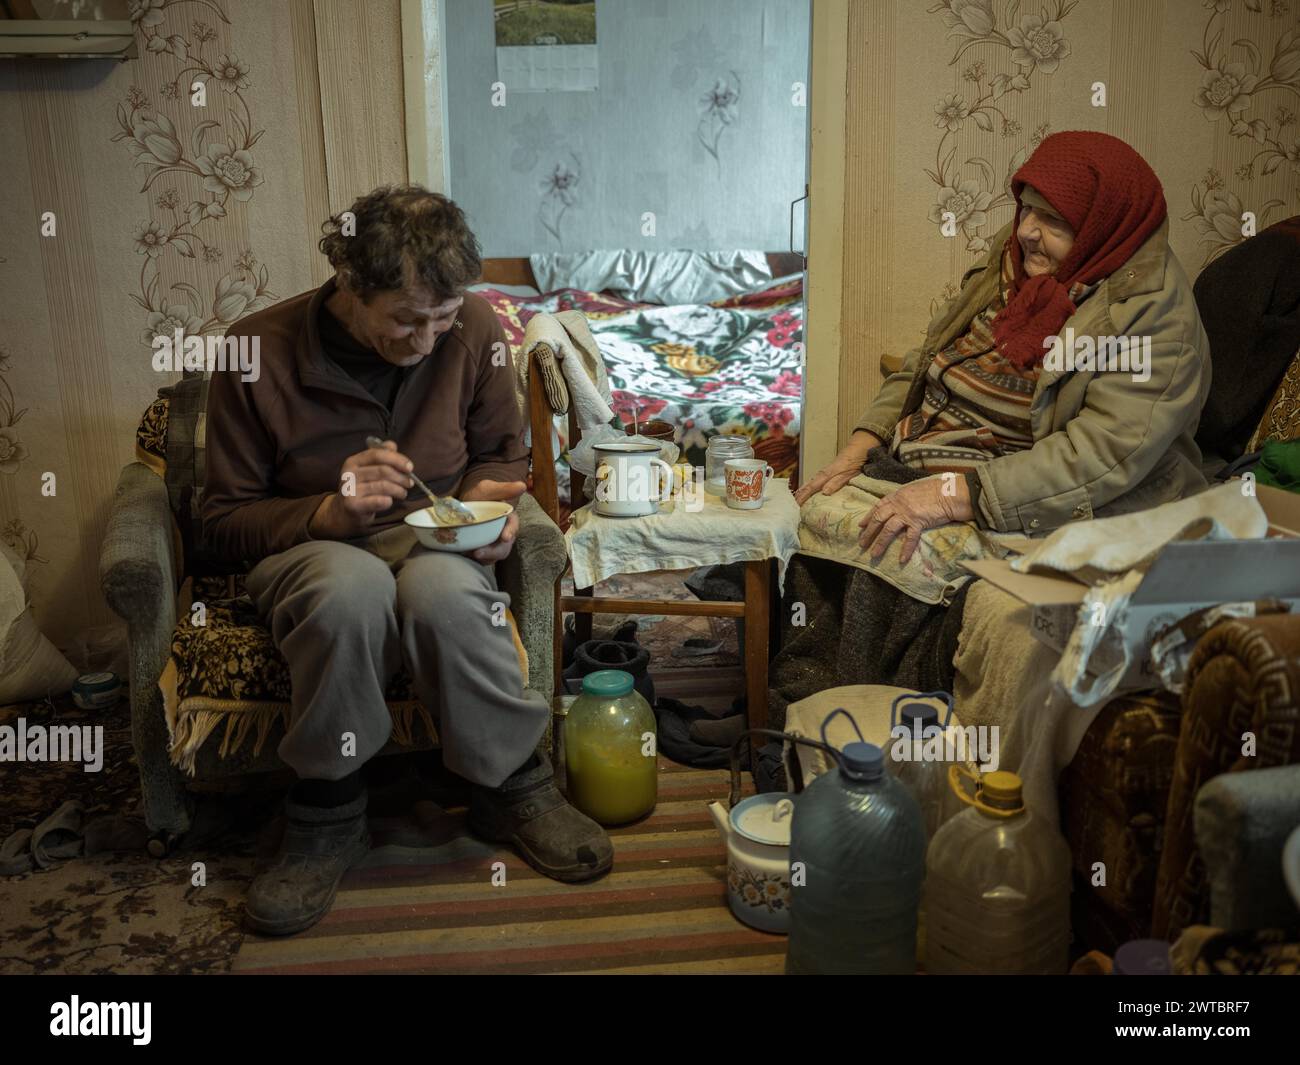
297, 890
528, 812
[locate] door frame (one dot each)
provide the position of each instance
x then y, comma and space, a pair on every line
424, 68
824, 288
424, 76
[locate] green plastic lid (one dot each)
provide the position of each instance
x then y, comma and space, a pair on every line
607, 682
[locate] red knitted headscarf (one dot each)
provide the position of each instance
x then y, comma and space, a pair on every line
1112, 200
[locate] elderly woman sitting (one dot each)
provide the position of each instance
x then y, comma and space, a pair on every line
1024, 395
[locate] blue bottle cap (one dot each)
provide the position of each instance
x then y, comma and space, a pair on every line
918, 718
862, 761
607, 683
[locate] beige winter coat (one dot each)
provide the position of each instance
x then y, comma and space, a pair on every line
1105, 442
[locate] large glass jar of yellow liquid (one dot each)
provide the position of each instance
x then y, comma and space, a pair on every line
609, 750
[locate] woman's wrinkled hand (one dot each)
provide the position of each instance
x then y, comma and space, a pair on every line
841, 469
912, 509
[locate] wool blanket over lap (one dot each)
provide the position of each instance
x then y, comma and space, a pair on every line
857, 628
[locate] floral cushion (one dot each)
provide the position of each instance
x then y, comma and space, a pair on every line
151, 436
1281, 419
233, 657
227, 673
170, 441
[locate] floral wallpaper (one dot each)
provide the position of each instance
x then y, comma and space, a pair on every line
196, 182
960, 92
721, 110
183, 189
974, 193
696, 60
1249, 84
696, 133
559, 193
1252, 89
12, 453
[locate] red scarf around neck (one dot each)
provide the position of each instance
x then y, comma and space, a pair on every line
1112, 200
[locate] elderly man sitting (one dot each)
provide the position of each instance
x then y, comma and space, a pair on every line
392, 346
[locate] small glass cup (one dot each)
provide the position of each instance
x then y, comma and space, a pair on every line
720, 450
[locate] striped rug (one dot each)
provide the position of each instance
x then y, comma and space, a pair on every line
424, 902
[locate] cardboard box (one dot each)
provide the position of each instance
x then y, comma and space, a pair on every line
1185, 577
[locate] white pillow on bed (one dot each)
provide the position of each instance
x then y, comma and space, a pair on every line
665, 277
509, 290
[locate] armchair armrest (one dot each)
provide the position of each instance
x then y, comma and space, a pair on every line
137, 574
1242, 684
137, 562
529, 575
1242, 823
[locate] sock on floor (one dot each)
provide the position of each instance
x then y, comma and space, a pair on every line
329, 793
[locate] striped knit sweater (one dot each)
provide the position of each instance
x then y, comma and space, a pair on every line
976, 404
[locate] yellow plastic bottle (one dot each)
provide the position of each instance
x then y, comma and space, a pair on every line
610, 750
997, 887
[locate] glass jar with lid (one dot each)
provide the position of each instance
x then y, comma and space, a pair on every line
721, 450
611, 769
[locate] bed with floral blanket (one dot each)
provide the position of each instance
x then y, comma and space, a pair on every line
732, 366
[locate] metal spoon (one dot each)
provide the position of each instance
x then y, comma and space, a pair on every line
449, 511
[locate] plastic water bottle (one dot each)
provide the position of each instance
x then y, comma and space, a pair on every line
908, 757
857, 858
997, 889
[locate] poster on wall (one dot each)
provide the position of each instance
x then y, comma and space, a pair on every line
546, 45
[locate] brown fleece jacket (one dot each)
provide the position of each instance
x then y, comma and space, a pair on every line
275, 445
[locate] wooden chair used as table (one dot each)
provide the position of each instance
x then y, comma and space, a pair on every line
755, 610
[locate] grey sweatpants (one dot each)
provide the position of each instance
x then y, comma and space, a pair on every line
347, 615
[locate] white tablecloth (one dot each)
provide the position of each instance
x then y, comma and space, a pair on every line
601, 546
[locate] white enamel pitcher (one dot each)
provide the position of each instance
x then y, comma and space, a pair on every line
631, 479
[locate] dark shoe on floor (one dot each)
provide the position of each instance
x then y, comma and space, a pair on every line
627, 655
719, 731
320, 844
530, 814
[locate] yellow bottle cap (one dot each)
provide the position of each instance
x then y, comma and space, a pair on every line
1002, 790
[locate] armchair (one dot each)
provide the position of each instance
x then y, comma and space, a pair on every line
208, 702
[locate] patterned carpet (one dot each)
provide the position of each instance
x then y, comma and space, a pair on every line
664, 636
424, 902
126, 912
123, 911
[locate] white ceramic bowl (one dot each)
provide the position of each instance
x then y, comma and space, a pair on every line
486, 530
